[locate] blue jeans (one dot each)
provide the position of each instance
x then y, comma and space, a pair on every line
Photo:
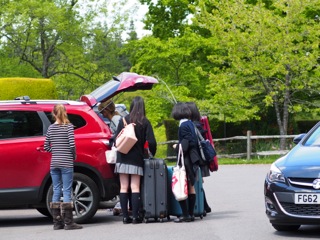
62, 179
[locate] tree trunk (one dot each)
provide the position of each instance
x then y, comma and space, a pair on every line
280, 124
283, 122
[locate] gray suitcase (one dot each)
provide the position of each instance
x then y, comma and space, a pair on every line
154, 190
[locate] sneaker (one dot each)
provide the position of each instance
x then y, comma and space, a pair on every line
182, 219
117, 209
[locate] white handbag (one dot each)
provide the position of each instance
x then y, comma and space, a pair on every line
179, 178
111, 155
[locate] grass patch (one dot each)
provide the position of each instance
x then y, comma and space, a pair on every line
234, 161
230, 161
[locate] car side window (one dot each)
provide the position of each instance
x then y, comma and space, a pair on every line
76, 120
15, 124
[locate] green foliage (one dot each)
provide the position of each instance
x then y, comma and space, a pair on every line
175, 63
265, 58
159, 132
167, 18
42, 34
34, 88
235, 59
13, 67
78, 46
255, 160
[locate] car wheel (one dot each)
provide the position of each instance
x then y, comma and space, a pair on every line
44, 211
286, 227
85, 198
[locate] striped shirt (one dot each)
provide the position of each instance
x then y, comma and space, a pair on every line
60, 142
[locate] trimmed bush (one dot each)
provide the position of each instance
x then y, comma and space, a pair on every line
35, 88
171, 127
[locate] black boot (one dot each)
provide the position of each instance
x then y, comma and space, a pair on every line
124, 208
191, 202
135, 200
67, 215
185, 214
207, 209
56, 215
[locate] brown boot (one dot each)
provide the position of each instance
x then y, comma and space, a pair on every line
56, 215
67, 216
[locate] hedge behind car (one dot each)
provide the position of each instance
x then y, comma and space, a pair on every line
35, 88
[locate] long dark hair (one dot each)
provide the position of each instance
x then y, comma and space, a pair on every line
137, 110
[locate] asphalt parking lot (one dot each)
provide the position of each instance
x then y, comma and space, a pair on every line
235, 194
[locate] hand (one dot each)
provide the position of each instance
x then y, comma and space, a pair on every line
174, 146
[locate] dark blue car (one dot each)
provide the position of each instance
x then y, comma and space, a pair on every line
292, 186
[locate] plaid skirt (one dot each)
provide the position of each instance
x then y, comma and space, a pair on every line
128, 169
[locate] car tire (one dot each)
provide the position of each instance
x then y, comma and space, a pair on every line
44, 211
288, 228
85, 198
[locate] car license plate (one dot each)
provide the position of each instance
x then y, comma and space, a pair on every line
307, 198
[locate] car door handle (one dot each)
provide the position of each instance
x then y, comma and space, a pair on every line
40, 149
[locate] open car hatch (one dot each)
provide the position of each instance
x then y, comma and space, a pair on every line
125, 82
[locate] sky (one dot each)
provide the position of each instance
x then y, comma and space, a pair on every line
139, 16
130, 4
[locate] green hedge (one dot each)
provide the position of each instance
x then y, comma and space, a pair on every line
35, 88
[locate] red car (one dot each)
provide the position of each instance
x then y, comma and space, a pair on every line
24, 174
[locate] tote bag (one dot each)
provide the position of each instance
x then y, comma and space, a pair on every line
126, 138
111, 155
179, 178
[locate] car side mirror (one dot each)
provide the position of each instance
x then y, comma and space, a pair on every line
298, 138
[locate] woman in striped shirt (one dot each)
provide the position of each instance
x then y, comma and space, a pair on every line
61, 143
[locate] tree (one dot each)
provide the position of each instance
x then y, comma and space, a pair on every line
167, 19
175, 63
61, 42
266, 57
41, 34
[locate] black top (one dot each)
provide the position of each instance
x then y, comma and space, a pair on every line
143, 133
188, 139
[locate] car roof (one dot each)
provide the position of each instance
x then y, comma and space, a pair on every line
36, 101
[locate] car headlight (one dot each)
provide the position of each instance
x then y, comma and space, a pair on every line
275, 175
